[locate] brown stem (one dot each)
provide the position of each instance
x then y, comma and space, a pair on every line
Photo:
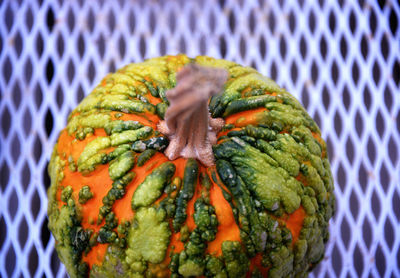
188, 123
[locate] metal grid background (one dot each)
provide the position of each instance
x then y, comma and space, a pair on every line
340, 58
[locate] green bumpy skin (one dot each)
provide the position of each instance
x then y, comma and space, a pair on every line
85, 194
191, 260
268, 170
152, 187
189, 183
148, 239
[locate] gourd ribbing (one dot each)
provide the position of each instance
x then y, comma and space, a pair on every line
188, 123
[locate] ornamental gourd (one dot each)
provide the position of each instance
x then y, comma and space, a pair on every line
179, 167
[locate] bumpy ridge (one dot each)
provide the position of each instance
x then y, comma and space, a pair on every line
271, 169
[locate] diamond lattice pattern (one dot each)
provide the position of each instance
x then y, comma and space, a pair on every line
340, 58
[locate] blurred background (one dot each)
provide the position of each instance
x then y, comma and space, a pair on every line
341, 59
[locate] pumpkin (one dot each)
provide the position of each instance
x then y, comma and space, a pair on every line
180, 167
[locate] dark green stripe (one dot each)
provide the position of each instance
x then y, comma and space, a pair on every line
145, 156
248, 103
189, 183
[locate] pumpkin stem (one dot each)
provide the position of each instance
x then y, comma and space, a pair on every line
188, 123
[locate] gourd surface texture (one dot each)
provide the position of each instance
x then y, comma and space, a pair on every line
119, 207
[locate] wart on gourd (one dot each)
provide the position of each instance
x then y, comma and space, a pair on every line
85, 194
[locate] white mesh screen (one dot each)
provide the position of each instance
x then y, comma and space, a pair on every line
340, 58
